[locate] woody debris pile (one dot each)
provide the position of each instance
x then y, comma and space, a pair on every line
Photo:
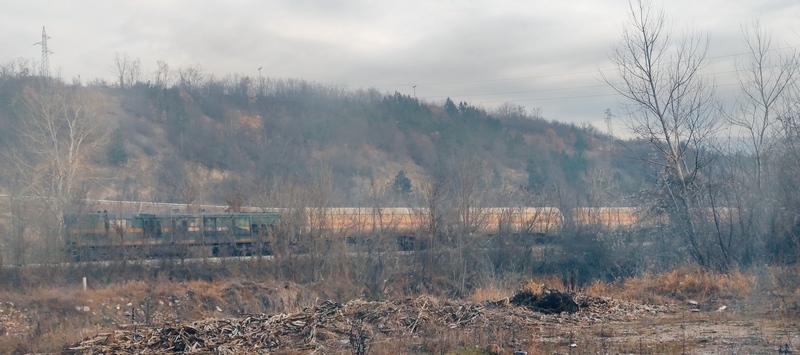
331, 325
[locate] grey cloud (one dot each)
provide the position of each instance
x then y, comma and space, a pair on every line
484, 52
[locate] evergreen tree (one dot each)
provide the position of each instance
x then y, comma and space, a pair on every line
536, 178
401, 183
450, 108
117, 154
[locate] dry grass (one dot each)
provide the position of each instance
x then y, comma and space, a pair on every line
489, 293
599, 288
495, 291
539, 284
163, 299
687, 283
52, 316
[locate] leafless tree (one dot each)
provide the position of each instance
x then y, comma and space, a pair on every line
18, 203
191, 77
134, 72
60, 135
788, 173
602, 189
469, 190
19, 67
162, 76
122, 67
432, 193
510, 109
319, 199
765, 81
433, 196
670, 104
128, 70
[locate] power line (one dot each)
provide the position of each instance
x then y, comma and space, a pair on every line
558, 97
479, 81
19, 51
713, 74
524, 91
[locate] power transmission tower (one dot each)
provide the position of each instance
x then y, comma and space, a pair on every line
44, 70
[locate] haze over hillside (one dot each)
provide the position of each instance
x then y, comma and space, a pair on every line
231, 135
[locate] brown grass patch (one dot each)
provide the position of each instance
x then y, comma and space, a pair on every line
489, 293
539, 284
683, 284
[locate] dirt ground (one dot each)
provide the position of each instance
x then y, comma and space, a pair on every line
685, 311
438, 326
680, 332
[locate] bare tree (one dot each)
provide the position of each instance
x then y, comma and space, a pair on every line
469, 192
433, 195
60, 135
788, 172
318, 202
127, 70
765, 81
510, 109
121, 67
19, 67
669, 104
134, 74
191, 77
162, 76
18, 203
602, 188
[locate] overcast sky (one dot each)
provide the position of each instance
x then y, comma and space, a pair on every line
538, 53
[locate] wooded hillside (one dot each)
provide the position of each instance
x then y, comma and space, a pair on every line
205, 142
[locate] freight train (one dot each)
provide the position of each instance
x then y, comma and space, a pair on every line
106, 235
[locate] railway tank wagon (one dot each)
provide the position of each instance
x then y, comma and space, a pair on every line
364, 224
522, 220
607, 218
408, 221
103, 235
407, 224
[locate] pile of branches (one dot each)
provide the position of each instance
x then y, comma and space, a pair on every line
328, 323
547, 302
352, 325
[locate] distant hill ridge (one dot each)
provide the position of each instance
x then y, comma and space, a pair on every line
210, 142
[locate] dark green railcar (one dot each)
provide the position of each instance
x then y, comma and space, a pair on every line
103, 236
238, 233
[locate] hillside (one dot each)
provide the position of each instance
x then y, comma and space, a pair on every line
206, 143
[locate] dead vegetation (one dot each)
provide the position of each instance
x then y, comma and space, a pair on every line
683, 285
355, 325
649, 314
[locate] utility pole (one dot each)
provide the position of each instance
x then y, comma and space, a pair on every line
260, 88
415, 90
44, 70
